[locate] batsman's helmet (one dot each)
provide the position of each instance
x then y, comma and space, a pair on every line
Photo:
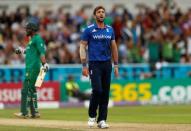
32, 23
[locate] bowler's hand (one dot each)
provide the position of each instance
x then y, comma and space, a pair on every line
116, 72
85, 71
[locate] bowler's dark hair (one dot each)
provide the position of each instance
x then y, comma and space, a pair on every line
97, 8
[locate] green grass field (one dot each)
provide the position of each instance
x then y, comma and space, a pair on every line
23, 128
172, 114
132, 114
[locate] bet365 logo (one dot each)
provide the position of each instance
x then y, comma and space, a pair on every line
131, 92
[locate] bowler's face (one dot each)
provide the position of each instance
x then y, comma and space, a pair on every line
100, 15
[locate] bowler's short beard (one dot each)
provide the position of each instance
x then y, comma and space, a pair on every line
98, 20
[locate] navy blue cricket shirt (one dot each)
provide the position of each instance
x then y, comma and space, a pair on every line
99, 42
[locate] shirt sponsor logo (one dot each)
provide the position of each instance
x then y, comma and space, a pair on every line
101, 37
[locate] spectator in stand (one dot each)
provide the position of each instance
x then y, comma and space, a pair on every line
74, 91
61, 31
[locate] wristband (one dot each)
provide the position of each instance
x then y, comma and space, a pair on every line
115, 64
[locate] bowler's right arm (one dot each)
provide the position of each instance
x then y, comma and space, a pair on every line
83, 45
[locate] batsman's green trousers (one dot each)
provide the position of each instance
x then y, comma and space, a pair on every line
29, 92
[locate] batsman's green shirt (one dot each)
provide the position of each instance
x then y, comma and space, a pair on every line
34, 50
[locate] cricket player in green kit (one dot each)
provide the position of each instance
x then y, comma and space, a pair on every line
35, 56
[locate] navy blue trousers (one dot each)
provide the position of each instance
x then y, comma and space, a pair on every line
100, 75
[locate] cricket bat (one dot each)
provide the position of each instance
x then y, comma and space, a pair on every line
40, 77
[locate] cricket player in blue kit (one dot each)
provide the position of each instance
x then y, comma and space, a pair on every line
100, 40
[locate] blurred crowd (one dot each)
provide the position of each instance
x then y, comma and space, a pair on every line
160, 34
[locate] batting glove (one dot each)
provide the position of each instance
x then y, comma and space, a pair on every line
20, 50
45, 67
